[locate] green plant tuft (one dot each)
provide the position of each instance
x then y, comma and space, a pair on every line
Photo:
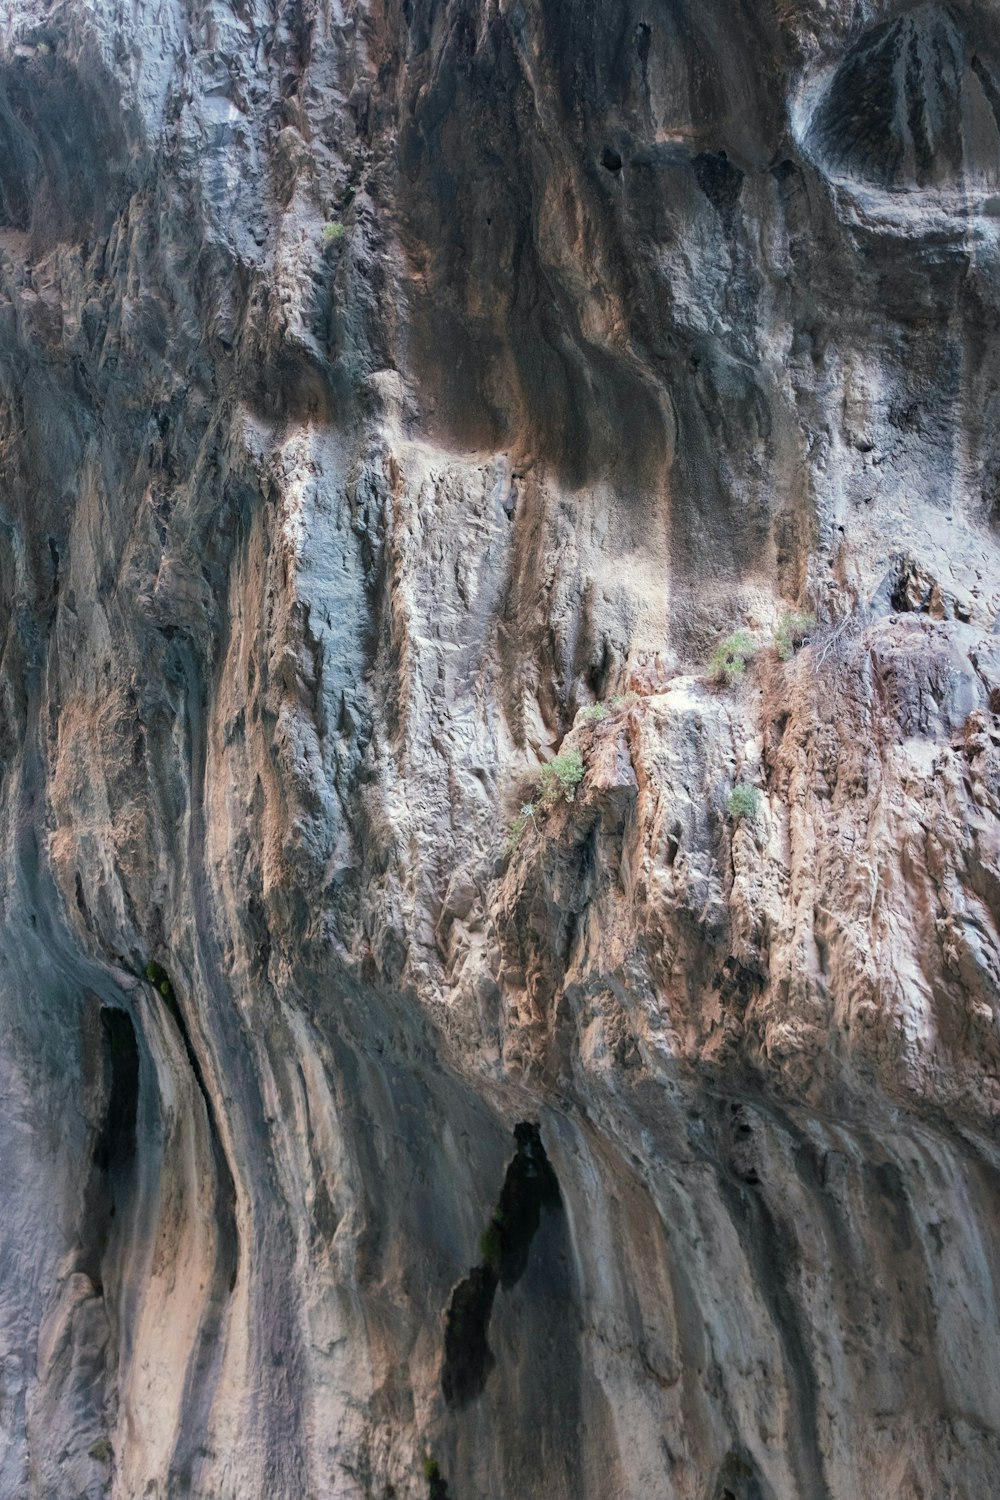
333, 233
744, 802
593, 713
793, 630
159, 979
733, 656
161, 982
432, 1469
100, 1451
560, 777
519, 827
624, 700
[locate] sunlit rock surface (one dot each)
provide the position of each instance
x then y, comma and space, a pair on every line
381, 385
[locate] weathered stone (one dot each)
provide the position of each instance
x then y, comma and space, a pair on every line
381, 385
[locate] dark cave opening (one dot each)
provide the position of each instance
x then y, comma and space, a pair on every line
115, 1144
530, 1185
114, 1149
739, 1479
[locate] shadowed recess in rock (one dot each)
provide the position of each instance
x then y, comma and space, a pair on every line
529, 1187
437, 1485
739, 1480
114, 1149
62, 149
911, 105
115, 1146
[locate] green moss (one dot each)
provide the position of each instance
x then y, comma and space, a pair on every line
560, 777
100, 1451
432, 1469
733, 656
793, 630
333, 233
491, 1245
162, 983
159, 979
744, 802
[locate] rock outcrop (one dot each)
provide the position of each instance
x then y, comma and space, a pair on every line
396, 398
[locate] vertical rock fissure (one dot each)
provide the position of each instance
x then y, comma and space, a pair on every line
530, 1185
739, 1480
202, 1371
115, 1148
765, 1245
204, 1367
115, 1145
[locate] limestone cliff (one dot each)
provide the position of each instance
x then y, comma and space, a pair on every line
396, 395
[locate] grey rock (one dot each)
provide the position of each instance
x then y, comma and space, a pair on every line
381, 385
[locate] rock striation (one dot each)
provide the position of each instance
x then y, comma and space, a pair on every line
396, 399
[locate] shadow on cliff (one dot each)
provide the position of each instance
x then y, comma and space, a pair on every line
63, 149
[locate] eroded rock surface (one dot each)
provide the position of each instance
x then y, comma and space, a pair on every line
382, 387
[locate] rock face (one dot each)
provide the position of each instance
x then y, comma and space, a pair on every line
383, 387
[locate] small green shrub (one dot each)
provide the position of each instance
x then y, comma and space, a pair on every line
333, 233
432, 1469
793, 630
624, 700
560, 777
160, 980
519, 827
733, 656
744, 802
100, 1451
593, 713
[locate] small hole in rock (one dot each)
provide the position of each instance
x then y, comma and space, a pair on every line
611, 160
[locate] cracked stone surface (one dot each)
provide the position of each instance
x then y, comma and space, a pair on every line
393, 397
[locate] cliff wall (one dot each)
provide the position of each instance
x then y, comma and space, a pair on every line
394, 397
